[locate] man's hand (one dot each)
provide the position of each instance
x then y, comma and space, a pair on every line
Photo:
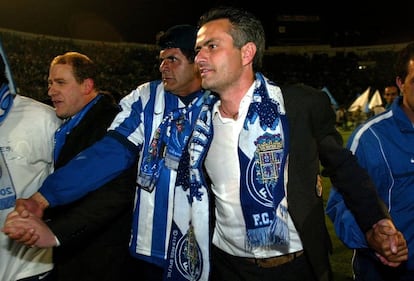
389, 243
20, 223
36, 205
29, 230
22, 233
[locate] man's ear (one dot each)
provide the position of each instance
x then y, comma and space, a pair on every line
248, 52
88, 85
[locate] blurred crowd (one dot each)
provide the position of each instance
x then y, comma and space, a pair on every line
126, 65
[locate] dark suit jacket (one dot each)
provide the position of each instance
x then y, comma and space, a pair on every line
94, 231
315, 141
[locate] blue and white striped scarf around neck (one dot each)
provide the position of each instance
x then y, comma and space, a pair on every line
189, 246
172, 233
264, 163
263, 150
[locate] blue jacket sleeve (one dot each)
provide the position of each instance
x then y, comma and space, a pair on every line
345, 224
90, 169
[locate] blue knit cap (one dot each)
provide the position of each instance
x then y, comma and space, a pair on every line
179, 36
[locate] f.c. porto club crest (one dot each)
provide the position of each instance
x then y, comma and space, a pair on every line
189, 261
187, 257
264, 170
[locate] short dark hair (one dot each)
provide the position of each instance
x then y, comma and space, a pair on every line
179, 36
246, 27
403, 58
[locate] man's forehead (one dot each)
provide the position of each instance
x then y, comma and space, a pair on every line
170, 52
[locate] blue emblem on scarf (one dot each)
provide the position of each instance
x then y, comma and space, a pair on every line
262, 191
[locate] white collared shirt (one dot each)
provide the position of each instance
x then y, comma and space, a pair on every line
222, 164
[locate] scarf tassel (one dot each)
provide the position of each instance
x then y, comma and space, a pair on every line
279, 231
258, 237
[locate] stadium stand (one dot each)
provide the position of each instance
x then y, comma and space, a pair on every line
345, 71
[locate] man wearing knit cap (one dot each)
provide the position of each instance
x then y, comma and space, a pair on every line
179, 36
150, 132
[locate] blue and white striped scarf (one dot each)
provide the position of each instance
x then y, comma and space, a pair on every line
188, 252
165, 210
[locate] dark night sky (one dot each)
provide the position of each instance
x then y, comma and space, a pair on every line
140, 20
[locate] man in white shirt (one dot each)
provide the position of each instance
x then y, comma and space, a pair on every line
27, 130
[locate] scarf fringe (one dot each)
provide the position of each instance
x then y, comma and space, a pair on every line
276, 234
258, 237
279, 231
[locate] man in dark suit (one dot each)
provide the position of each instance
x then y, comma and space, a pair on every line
262, 146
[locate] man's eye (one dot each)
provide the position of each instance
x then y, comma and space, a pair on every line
169, 60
